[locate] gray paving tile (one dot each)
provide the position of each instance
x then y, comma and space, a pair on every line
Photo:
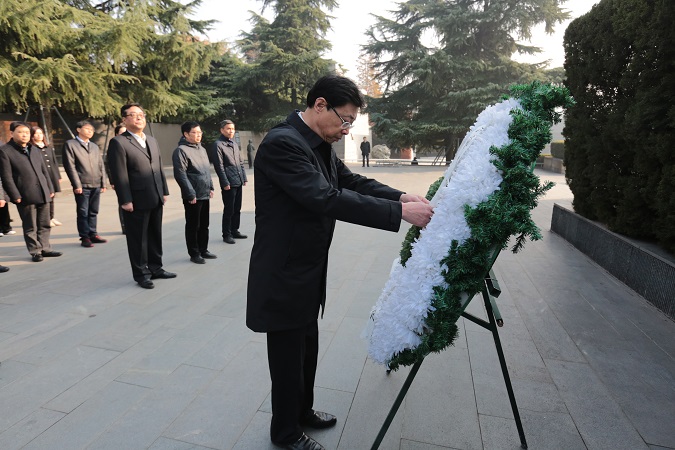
90, 419
598, 417
79, 392
149, 417
551, 430
374, 398
444, 380
13, 370
5, 335
29, 428
223, 410
19, 399
155, 367
412, 445
257, 434
341, 366
171, 444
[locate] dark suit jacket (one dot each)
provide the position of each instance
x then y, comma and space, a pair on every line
136, 172
24, 177
301, 188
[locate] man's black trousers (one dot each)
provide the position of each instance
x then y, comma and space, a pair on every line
144, 241
292, 357
196, 227
231, 210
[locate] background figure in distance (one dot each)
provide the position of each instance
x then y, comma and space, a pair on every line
26, 182
192, 172
301, 189
5, 219
136, 172
226, 158
119, 129
365, 152
83, 163
250, 152
38, 139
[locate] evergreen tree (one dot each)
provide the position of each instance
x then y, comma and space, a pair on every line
433, 91
89, 57
282, 61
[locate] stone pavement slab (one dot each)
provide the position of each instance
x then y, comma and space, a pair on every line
90, 361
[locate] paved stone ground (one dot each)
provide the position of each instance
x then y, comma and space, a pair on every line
91, 361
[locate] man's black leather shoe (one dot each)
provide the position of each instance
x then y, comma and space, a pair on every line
51, 254
304, 443
208, 255
318, 419
238, 235
4, 269
228, 239
146, 284
162, 274
37, 257
197, 259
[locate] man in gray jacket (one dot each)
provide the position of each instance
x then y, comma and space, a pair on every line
226, 158
83, 164
192, 171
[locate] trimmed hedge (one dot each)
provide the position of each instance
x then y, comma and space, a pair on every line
619, 137
558, 149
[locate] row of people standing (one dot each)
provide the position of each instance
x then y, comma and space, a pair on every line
192, 172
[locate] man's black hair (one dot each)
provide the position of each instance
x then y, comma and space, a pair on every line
83, 123
19, 123
123, 110
188, 126
118, 128
337, 90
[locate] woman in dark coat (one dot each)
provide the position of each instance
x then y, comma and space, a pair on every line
37, 138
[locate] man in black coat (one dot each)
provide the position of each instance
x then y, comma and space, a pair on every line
136, 172
365, 152
301, 189
25, 179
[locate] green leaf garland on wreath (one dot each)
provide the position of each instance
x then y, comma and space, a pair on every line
506, 213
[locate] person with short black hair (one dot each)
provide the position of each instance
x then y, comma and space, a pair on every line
26, 181
140, 184
192, 172
39, 140
83, 163
226, 159
365, 152
301, 189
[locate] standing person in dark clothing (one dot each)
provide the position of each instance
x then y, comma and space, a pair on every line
192, 172
250, 151
226, 159
83, 163
37, 139
365, 152
25, 179
3, 203
301, 189
140, 184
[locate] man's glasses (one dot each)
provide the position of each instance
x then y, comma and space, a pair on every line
134, 115
345, 124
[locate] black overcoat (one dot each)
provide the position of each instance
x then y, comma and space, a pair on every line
301, 189
25, 176
136, 172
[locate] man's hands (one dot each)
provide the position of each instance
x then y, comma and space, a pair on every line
416, 210
129, 207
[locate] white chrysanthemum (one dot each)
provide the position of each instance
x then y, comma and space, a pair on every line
398, 318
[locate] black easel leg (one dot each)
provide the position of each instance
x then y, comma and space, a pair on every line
396, 405
505, 370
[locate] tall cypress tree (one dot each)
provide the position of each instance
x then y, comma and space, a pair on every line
283, 59
442, 61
